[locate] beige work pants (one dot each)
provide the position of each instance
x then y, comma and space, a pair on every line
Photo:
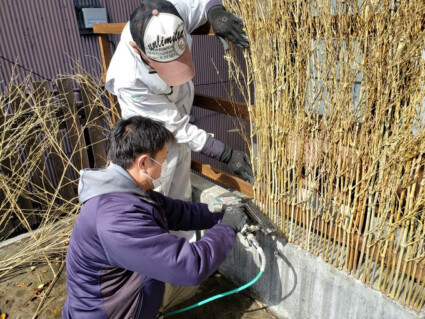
174, 295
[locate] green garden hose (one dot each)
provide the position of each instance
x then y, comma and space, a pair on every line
260, 251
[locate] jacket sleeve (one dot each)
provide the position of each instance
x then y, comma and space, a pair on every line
156, 106
194, 12
136, 242
184, 215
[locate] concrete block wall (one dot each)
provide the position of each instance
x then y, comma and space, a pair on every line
297, 284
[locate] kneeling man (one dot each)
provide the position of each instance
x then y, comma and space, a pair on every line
121, 254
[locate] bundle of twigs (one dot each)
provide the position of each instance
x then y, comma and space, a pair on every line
338, 129
40, 166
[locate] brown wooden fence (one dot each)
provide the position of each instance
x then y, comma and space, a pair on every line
78, 127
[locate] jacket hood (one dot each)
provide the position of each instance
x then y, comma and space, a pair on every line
113, 179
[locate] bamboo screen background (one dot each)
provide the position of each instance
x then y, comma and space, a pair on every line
339, 131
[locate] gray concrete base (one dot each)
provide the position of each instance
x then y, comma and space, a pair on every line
297, 284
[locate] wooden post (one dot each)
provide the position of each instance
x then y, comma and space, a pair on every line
106, 53
42, 96
97, 138
9, 163
74, 128
24, 204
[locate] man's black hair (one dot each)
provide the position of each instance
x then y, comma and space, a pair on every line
134, 136
142, 14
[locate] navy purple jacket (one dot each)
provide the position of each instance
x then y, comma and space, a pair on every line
120, 252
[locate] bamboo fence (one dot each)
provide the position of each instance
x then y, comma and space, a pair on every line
338, 132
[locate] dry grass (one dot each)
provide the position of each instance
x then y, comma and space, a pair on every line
339, 127
37, 125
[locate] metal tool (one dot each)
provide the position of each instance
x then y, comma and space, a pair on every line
219, 204
258, 220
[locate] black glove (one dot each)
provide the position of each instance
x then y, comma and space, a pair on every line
227, 26
235, 217
238, 163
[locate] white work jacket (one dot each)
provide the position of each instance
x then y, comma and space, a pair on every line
142, 93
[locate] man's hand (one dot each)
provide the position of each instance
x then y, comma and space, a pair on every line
235, 217
227, 26
238, 163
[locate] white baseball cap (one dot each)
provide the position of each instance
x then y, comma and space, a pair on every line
163, 41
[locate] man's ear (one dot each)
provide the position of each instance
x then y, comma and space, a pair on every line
135, 47
141, 162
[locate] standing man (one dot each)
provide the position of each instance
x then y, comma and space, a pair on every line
151, 74
121, 254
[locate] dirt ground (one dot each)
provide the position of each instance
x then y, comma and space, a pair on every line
22, 292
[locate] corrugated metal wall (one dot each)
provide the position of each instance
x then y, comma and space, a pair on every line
41, 37
208, 58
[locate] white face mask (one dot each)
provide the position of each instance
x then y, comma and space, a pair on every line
161, 179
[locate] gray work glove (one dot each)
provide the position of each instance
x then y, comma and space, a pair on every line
227, 26
238, 163
235, 217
